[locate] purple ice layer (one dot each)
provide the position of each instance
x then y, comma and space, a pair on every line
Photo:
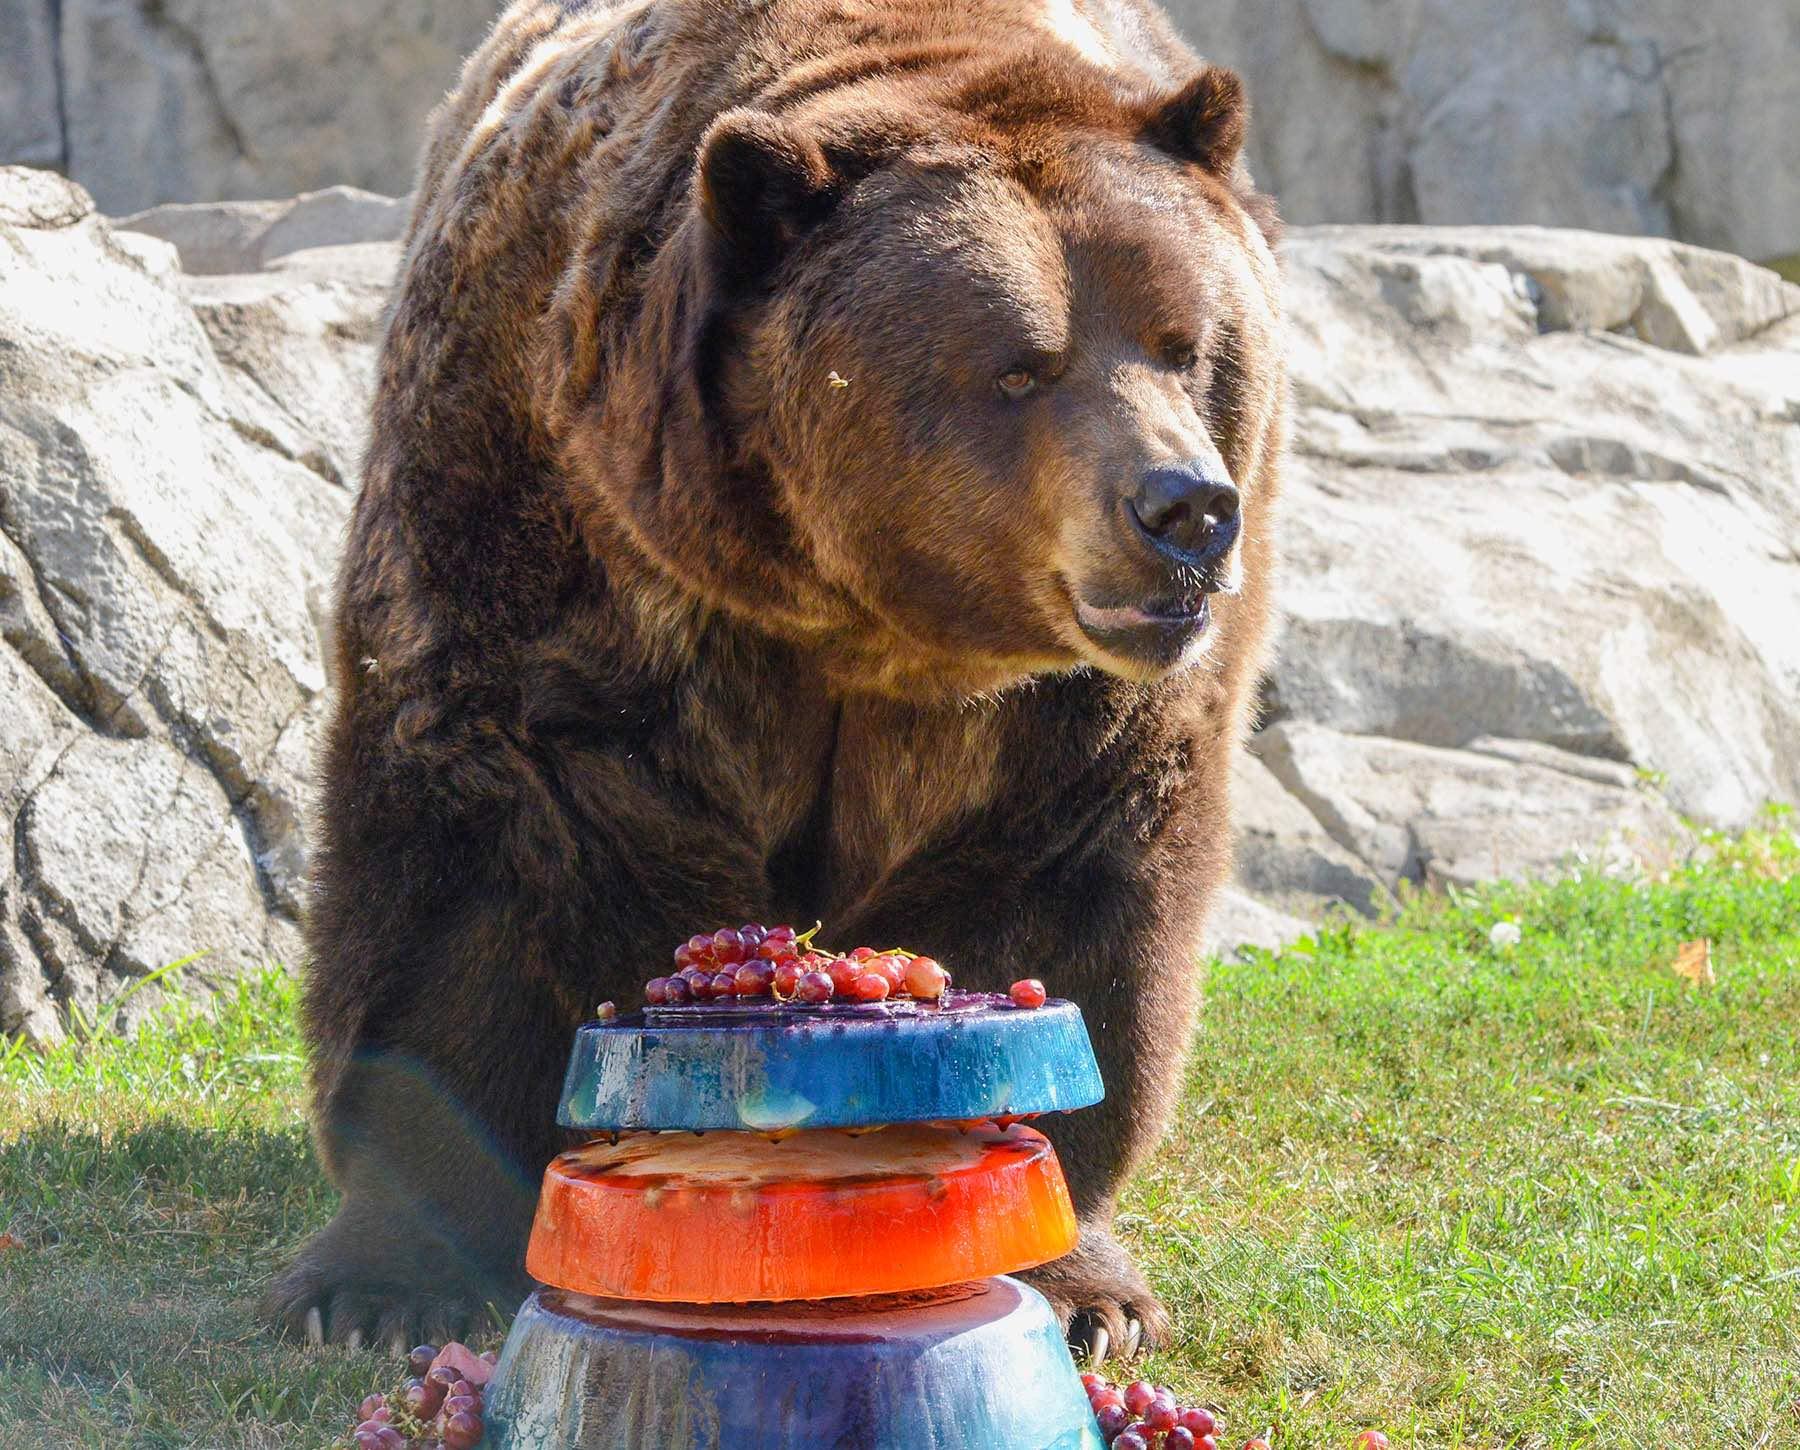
763, 1067
984, 1371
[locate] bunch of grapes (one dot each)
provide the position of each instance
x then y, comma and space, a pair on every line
1141, 1416
778, 963
438, 1407
783, 965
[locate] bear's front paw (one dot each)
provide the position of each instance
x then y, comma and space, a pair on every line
355, 1283
1105, 1304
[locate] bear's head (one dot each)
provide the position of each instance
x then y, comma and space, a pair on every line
963, 392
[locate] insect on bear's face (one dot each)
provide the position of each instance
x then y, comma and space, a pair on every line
1016, 406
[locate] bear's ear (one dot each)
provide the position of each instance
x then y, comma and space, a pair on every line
1203, 121
762, 185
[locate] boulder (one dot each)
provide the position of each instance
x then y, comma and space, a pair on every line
1541, 545
244, 236
1660, 117
173, 486
1498, 810
151, 101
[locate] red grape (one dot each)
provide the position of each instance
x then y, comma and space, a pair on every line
728, 947
1256, 1442
1028, 993
462, 1431
370, 1404
786, 978
1198, 1420
870, 987
422, 1398
724, 985
1090, 1382
656, 991
1131, 1438
678, 991
814, 987
862, 954
1112, 1418
700, 946
755, 979
1138, 1395
925, 979
1371, 1440
892, 968
844, 973
1161, 1413
420, 1358
1179, 1438
751, 934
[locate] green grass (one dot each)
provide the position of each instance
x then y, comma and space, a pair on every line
1545, 1197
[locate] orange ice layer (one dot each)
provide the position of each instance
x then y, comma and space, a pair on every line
735, 1218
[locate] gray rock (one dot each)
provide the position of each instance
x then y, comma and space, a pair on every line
31, 131
1658, 117
1239, 920
1286, 857
298, 343
194, 100
245, 236
1439, 817
170, 509
1525, 501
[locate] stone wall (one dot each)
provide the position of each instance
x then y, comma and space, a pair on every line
1659, 117
148, 101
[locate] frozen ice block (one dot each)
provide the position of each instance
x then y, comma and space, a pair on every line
760, 1067
981, 1368
732, 1218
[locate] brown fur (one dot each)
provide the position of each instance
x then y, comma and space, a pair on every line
645, 626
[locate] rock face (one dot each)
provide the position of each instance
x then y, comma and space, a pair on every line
1541, 589
173, 463
148, 101
1658, 116
244, 236
1542, 548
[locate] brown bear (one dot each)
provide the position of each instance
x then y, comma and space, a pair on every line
822, 468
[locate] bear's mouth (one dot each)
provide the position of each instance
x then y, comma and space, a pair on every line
1160, 632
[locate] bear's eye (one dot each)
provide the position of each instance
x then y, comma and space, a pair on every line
1016, 382
1184, 357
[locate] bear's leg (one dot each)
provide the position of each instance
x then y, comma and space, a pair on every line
445, 983
1113, 926
436, 1205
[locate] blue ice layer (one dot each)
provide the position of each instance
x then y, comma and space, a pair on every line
765, 1068
985, 1371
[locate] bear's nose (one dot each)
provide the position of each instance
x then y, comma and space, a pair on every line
1190, 508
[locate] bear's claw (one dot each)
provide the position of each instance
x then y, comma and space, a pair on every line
1103, 1301
357, 1289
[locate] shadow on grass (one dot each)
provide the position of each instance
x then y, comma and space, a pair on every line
128, 1308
